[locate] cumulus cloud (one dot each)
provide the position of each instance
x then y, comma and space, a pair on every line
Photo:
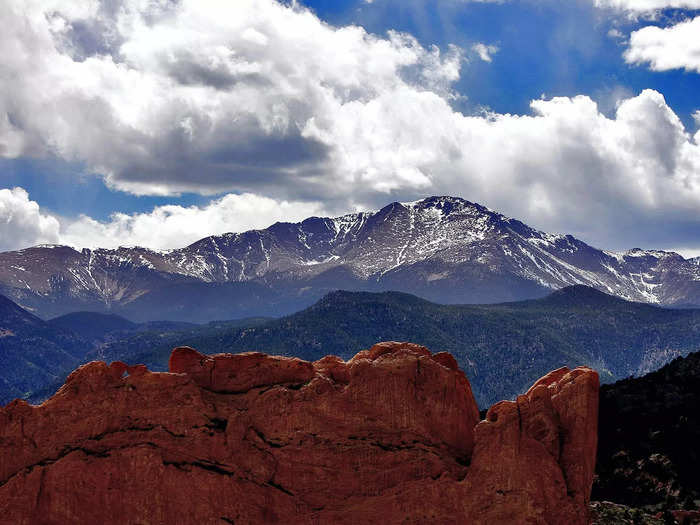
22, 223
485, 52
260, 97
204, 96
174, 226
618, 181
674, 47
626, 172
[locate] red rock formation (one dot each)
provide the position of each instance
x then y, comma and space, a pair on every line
536, 455
391, 436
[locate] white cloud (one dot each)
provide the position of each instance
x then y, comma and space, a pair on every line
648, 5
254, 96
485, 52
674, 47
625, 171
174, 226
151, 93
623, 181
22, 223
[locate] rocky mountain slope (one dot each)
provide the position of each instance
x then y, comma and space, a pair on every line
444, 249
503, 348
33, 354
391, 436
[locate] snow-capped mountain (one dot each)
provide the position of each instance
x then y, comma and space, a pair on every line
445, 249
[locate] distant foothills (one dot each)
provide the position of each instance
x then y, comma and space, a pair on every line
500, 347
443, 249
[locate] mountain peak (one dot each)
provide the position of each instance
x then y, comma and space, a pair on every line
442, 248
446, 203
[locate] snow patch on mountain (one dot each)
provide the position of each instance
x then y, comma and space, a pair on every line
439, 241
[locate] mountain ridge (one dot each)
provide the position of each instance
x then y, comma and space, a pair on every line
445, 249
501, 347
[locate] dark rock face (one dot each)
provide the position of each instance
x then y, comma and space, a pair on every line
444, 249
649, 435
391, 436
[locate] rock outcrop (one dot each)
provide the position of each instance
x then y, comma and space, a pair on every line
391, 436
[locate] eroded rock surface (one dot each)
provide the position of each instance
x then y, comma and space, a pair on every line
391, 436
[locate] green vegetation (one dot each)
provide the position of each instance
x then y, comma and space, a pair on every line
649, 429
502, 348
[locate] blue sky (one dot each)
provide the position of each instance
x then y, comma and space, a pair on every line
545, 46
187, 119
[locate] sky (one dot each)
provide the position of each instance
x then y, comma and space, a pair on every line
158, 122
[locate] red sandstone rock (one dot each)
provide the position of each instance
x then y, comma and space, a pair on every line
229, 373
534, 458
387, 437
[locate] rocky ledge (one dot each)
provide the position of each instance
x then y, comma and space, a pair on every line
391, 436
